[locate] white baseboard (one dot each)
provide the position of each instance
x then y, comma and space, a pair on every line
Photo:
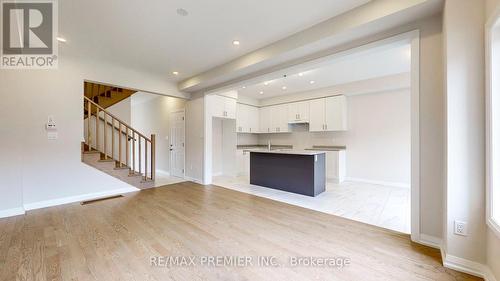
385, 183
467, 266
78, 198
163, 173
428, 240
193, 179
12, 212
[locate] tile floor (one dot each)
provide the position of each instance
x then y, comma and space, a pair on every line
384, 206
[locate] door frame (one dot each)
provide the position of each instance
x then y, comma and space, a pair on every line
183, 111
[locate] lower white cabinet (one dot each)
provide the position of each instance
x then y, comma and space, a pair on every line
328, 114
243, 162
336, 166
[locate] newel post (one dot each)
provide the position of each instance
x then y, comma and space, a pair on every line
153, 156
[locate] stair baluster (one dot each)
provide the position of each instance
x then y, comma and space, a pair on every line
132, 139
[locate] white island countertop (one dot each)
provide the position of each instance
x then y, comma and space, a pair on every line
287, 151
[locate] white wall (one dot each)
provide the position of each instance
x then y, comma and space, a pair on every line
195, 132
122, 110
152, 116
39, 170
378, 138
492, 240
465, 128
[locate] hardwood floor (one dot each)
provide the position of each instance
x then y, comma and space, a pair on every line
115, 240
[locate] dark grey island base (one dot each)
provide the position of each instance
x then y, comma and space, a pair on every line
298, 172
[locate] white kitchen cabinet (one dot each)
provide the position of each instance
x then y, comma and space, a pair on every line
265, 120
317, 115
336, 166
328, 114
230, 108
247, 119
298, 112
241, 118
222, 107
279, 118
336, 113
243, 162
253, 122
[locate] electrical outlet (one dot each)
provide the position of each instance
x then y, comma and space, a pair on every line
461, 228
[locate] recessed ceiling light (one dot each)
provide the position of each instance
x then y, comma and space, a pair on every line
301, 74
175, 73
182, 12
312, 82
60, 39
266, 83
283, 88
244, 87
236, 42
261, 92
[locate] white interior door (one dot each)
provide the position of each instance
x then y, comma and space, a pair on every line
177, 144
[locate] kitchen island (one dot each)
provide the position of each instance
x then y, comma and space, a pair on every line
297, 171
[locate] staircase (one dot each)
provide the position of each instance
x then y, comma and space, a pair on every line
105, 96
111, 145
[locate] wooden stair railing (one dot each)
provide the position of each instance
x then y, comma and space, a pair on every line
134, 141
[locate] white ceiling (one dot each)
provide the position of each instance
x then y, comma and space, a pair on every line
151, 36
378, 62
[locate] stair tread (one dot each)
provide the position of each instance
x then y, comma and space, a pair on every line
122, 168
107, 160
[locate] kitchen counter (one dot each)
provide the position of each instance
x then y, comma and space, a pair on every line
287, 151
327, 148
264, 146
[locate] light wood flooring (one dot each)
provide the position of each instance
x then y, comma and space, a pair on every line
115, 239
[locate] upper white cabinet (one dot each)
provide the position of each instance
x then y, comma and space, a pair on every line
279, 118
317, 117
324, 114
274, 119
298, 112
222, 107
328, 114
265, 120
230, 108
247, 119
